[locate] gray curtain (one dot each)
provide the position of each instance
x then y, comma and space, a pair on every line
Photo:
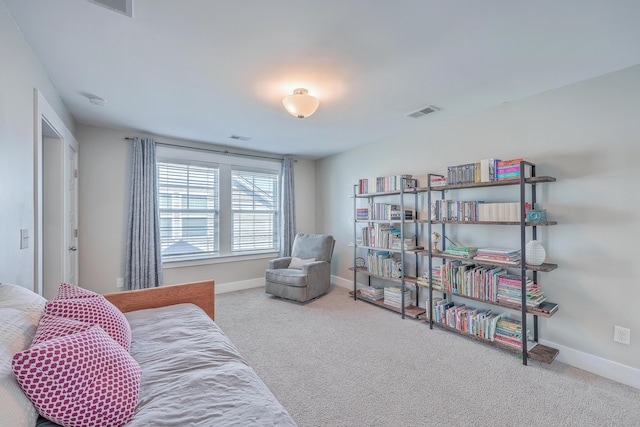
143, 262
287, 208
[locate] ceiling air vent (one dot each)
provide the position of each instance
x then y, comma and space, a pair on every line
424, 111
124, 7
240, 138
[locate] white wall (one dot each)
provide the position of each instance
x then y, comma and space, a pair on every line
104, 173
587, 136
20, 73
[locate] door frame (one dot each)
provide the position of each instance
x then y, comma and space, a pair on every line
43, 112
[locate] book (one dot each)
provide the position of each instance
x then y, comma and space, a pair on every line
509, 162
546, 307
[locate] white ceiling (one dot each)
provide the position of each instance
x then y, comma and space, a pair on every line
203, 70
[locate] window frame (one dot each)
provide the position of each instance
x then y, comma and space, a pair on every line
225, 164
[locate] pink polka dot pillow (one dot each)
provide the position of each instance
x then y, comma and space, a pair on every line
94, 310
66, 291
82, 379
51, 327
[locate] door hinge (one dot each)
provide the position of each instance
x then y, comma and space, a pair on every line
75, 173
75, 233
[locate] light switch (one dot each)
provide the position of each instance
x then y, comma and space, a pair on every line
24, 238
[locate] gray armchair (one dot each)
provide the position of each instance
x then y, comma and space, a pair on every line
312, 279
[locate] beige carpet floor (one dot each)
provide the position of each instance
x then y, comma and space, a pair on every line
340, 362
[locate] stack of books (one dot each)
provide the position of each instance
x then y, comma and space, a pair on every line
435, 277
385, 184
371, 293
510, 291
460, 251
506, 256
509, 332
393, 297
508, 169
384, 265
438, 181
362, 214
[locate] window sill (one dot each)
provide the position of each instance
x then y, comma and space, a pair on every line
179, 263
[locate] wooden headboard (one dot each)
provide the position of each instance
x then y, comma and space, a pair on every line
201, 294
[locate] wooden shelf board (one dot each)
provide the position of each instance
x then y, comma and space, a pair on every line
527, 223
516, 181
372, 248
410, 311
516, 307
410, 280
540, 353
546, 267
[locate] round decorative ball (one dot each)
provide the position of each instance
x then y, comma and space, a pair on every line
535, 253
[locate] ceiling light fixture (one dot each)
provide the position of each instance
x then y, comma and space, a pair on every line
300, 104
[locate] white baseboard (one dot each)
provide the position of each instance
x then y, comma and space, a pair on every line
343, 283
588, 362
597, 365
222, 288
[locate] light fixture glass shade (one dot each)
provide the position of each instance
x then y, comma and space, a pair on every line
300, 104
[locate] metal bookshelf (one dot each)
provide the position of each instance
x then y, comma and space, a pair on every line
539, 352
407, 188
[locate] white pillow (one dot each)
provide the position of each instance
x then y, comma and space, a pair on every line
297, 263
20, 312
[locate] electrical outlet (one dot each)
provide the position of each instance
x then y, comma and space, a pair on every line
120, 282
622, 335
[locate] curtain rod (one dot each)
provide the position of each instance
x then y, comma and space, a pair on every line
230, 153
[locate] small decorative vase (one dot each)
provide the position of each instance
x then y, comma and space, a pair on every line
535, 253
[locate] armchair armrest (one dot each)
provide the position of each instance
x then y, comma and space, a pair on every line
278, 263
315, 265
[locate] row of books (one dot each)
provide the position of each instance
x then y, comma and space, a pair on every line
485, 170
385, 212
383, 264
385, 236
475, 210
481, 323
385, 184
497, 327
393, 297
488, 283
470, 279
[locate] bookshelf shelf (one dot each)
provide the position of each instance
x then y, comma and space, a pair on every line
527, 223
540, 353
496, 303
408, 280
516, 181
546, 267
411, 311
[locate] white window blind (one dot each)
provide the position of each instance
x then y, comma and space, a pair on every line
254, 200
188, 208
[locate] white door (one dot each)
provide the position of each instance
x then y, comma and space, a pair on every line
71, 217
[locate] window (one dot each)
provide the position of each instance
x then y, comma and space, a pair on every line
188, 208
255, 211
210, 208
